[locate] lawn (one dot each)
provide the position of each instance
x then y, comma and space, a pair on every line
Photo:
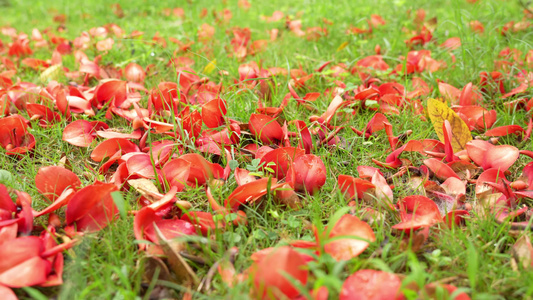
266, 149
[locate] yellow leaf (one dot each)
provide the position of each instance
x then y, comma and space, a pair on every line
343, 45
210, 67
438, 112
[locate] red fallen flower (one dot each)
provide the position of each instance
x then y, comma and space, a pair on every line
20, 213
367, 171
306, 141
134, 72
146, 219
505, 130
372, 285
470, 95
451, 43
176, 172
416, 212
109, 147
7, 293
354, 188
192, 123
213, 112
449, 91
22, 264
46, 115
441, 170
489, 156
490, 181
518, 90
53, 180
283, 159
81, 133
202, 219
14, 135
32, 260
356, 237
201, 169
383, 190
243, 176
140, 165
455, 217
267, 129
492, 81
250, 192
270, 274
308, 173
113, 90
92, 207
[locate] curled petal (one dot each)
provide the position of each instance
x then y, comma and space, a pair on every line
271, 273
266, 128
358, 236
371, 285
53, 180
109, 147
309, 173
92, 207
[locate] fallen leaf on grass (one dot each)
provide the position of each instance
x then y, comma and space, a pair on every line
439, 112
522, 252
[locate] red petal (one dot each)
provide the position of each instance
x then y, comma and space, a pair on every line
201, 169
19, 250
53, 180
500, 157
505, 130
267, 129
203, 219
30, 272
310, 173
114, 90
5, 200
134, 72
441, 170
282, 159
367, 171
476, 150
140, 165
354, 187
176, 172
491, 176
271, 273
383, 190
358, 235
243, 176
250, 192
417, 211
371, 285
58, 203
170, 228
7, 293
213, 112
92, 207
47, 115
109, 147
81, 132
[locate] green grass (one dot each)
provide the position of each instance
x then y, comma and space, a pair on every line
107, 265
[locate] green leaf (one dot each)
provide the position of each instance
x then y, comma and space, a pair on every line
34, 293
120, 203
5, 177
